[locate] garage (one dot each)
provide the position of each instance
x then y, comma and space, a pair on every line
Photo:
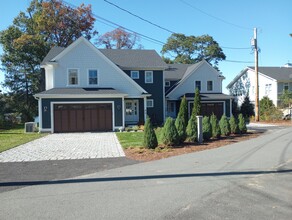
83, 117
207, 109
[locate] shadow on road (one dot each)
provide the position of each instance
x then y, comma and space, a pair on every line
148, 177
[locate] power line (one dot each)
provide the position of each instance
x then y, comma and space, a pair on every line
237, 61
212, 16
137, 16
237, 48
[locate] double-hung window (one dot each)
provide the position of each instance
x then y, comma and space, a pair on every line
286, 86
92, 77
150, 103
209, 85
148, 76
135, 74
73, 76
198, 85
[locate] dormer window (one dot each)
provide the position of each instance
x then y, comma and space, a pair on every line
72, 76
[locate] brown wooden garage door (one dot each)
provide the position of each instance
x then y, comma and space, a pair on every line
207, 109
82, 117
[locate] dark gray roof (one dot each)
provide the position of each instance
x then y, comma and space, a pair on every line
176, 71
135, 58
52, 53
81, 91
210, 96
277, 73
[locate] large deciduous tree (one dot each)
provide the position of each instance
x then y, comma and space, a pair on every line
119, 39
191, 49
27, 41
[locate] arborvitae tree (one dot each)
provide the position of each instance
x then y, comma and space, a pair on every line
182, 120
197, 104
233, 125
192, 129
224, 126
207, 130
241, 124
247, 108
215, 126
150, 139
169, 135
235, 108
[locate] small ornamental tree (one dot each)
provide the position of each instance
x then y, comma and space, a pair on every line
192, 129
197, 103
233, 125
207, 130
247, 108
224, 126
215, 126
182, 120
169, 135
241, 124
150, 139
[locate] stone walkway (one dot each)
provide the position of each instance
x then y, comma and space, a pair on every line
66, 146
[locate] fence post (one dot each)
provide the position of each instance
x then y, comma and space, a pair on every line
200, 128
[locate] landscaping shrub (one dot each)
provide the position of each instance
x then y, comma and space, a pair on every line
207, 130
233, 125
192, 129
149, 139
224, 126
169, 135
247, 108
197, 104
268, 111
182, 120
215, 126
241, 124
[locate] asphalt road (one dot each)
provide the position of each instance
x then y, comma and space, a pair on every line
246, 180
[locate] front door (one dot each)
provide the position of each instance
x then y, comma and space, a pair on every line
132, 111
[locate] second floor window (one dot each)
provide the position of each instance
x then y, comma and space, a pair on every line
209, 85
198, 85
286, 86
135, 74
150, 103
167, 83
148, 76
72, 76
268, 88
92, 77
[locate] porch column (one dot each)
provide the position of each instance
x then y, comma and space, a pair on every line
123, 111
40, 115
231, 107
145, 109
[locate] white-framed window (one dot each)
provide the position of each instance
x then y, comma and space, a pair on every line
92, 77
135, 74
73, 76
286, 86
167, 83
148, 76
198, 85
150, 103
268, 88
209, 85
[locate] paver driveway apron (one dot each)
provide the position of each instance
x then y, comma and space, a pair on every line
66, 146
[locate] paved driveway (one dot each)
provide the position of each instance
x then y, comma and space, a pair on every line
66, 146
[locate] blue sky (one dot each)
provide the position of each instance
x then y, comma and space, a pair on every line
272, 18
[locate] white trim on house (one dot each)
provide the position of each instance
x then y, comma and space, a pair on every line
107, 60
148, 102
48, 96
40, 114
151, 81
123, 112
145, 109
83, 102
78, 77
135, 71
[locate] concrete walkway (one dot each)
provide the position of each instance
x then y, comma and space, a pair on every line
66, 146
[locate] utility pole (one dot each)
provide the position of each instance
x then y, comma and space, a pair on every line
257, 118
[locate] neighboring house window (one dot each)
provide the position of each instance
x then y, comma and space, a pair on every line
148, 76
150, 103
268, 88
73, 76
286, 86
198, 85
92, 77
135, 74
209, 85
167, 83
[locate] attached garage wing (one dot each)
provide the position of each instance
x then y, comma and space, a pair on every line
83, 117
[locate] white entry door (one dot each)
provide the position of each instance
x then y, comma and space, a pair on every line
132, 111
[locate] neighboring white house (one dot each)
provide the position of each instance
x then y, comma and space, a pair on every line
272, 82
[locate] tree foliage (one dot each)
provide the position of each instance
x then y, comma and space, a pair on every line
149, 139
224, 126
268, 110
29, 38
215, 126
119, 39
169, 135
192, 129
241, 124
197, 104
207, 129
286, 98
247, 108
233, 125
182, 120
191, 49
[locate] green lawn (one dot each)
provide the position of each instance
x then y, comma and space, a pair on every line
134, 139
15, 137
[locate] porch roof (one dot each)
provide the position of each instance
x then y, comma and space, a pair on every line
209, 96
